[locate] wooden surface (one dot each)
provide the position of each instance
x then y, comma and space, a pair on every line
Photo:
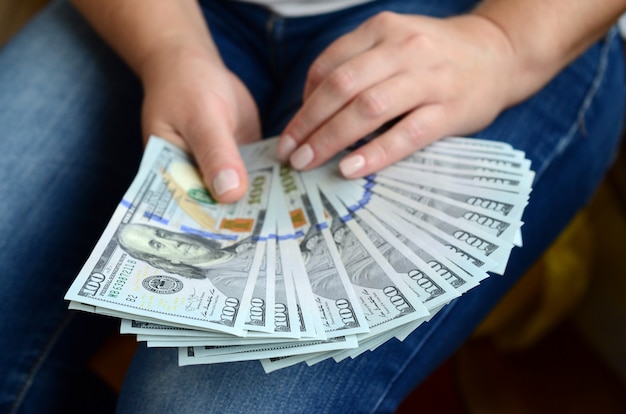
14, 13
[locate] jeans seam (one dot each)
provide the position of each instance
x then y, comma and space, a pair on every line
275, 28
578, 125
21, 395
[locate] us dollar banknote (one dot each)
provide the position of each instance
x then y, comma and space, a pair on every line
307, 266
171, 253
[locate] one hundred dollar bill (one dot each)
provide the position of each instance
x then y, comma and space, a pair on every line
172, 254
307, 266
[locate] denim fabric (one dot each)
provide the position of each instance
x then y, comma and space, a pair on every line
69, 116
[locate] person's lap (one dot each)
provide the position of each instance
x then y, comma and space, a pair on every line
378, 381
69, 115
69, 112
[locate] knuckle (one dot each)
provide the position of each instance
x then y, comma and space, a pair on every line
382, 20
372, 103
413, 132
417, 41
317, 71
325, 143
341, 82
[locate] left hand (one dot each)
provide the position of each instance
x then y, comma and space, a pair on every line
440, 77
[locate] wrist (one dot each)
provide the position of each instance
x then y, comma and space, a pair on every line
510, 76
546, 36
169, 57
524, 64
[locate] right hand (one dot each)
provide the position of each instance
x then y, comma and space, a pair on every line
192, 100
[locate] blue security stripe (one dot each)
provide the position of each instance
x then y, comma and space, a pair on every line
297, 235
321, 226
207, 234
366, 198
156, 218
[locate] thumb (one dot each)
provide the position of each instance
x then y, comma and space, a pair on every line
222, 169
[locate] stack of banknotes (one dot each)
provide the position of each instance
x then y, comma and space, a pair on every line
308, 265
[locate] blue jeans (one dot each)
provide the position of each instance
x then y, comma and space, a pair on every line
69, 116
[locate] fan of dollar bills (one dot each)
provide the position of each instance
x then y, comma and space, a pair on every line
308, 265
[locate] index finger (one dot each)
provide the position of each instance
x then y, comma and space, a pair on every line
338, 52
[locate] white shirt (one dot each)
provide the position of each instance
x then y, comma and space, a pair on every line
293, 8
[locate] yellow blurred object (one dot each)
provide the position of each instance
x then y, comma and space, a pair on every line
547, 293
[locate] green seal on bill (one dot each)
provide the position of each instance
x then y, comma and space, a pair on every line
201, 195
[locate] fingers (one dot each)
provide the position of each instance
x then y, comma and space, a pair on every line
340, 51
416, 130
348, 82
363, 115
438, 76
358, 84
208, 114
338, 88
214, 149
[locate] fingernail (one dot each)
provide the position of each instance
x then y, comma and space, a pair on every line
285, 147
351, 164
225, 180
302, 157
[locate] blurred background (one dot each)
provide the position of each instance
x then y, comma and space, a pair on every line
557, 342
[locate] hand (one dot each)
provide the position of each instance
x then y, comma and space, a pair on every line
440, 77
193, 101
